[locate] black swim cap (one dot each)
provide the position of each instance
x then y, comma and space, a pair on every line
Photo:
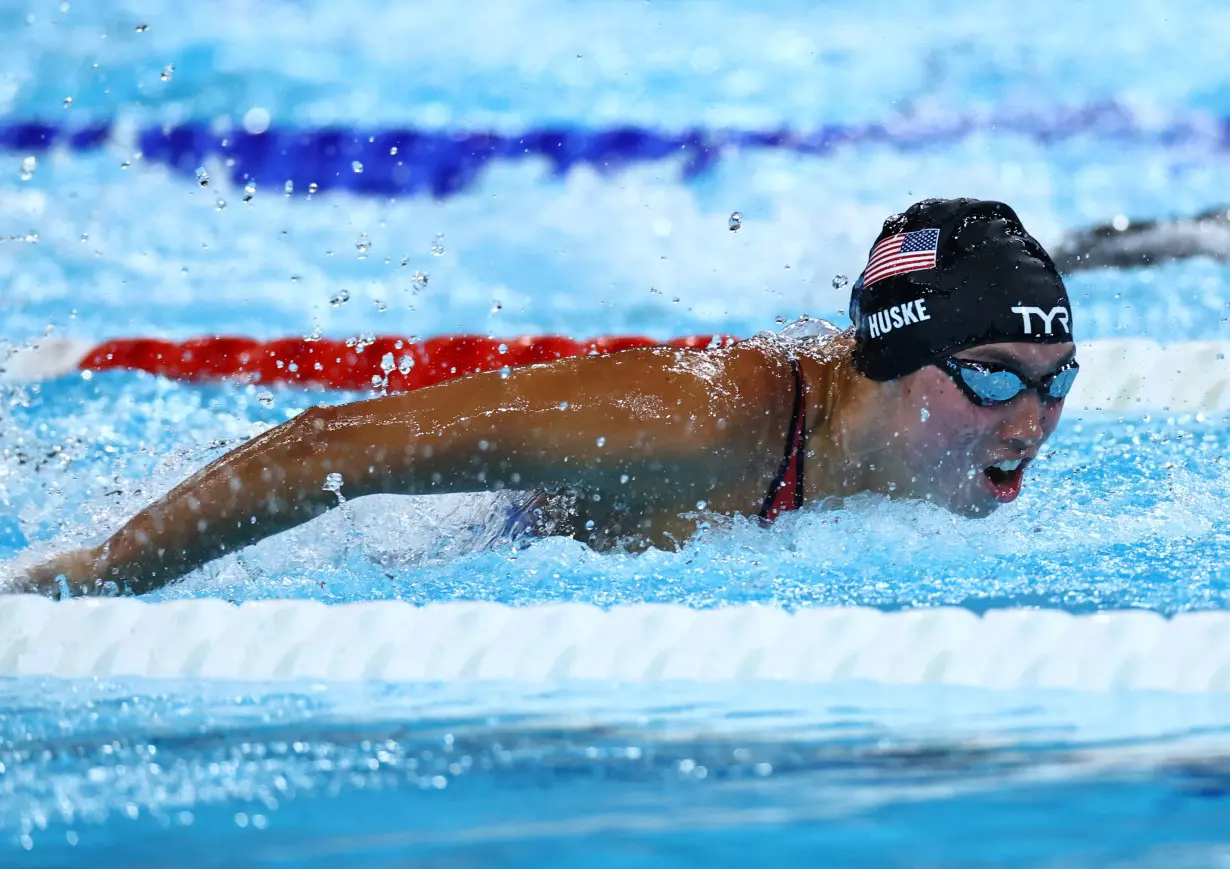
950, 274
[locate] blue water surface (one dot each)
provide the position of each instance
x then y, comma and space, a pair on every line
312, 775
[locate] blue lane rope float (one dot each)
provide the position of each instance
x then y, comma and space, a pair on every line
444, 162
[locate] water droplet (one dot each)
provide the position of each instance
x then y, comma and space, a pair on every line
419, 281
504, 372
363, 245
779, 319
840, 281
502, 349
357, 167
405, 364
496, 307
736, 221
28, 165
312, 188
589, 524
167, 72
265, 398
68, 101
393, 151
202, 177
340, 298
333, 483
701, 505
219, 204
1120, 223
623, 478
249, 191
256, 120
125, 165
924, 415
381, 305
387, 364
437, 246
289, 188
601, 442
141, 28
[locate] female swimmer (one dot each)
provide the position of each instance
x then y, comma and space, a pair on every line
949, 382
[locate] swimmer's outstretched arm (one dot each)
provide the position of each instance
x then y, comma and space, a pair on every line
656, 426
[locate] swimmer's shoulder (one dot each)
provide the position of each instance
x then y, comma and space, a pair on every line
824, 356
818, 341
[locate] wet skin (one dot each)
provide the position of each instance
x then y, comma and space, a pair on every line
628, 446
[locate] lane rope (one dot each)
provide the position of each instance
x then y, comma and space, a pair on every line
449, 642
1132, 374
443, 163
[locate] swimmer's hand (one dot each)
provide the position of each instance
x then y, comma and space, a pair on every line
82, 570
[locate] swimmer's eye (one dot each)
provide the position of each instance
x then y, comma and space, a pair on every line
985, 384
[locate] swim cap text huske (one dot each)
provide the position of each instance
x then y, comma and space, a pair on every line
897, 316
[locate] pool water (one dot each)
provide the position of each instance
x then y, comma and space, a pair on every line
814, 122
374, 775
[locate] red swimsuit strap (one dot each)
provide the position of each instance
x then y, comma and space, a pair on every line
786, 490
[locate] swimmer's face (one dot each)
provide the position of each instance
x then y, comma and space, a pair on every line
960, 455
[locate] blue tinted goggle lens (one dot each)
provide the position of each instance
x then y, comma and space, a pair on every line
1061, 385
992, 385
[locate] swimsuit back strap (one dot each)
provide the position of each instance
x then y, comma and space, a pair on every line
786, 490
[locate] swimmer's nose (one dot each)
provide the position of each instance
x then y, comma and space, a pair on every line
1022, 426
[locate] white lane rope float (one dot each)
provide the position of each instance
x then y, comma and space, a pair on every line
282, 640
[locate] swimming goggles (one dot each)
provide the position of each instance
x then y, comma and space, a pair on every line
987, 384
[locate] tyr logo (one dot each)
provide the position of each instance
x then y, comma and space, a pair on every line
1046, 318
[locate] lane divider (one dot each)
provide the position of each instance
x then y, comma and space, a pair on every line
452, 642
442, 163
1119, 374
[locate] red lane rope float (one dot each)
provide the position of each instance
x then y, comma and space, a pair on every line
356, 365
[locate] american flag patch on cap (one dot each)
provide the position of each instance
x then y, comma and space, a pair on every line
901, 253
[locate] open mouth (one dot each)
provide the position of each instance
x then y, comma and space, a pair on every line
1004, 478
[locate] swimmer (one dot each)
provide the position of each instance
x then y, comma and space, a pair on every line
951, 378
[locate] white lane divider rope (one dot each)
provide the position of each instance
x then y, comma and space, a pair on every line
449, 642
